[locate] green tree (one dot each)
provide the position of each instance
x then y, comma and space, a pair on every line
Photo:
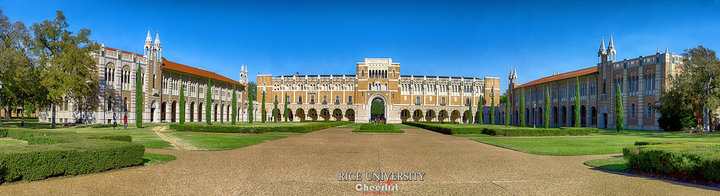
139, 102
546, 118
285, 111
480, 112
251, 97
675, 112
618, 109
522, 107
208, 100
234, 104
67, 69
182, 104
275, 111
503, 98
377, 108
577, 102
507, 111
470, 117
262, 108
492, 108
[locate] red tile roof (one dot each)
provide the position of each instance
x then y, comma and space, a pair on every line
195, 71
562, 76
187, 69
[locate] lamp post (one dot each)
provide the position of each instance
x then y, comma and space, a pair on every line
1, 85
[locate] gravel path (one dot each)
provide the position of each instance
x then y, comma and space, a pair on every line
308, 164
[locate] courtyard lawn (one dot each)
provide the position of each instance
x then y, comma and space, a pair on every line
612, 164
574, 146
152, 158
221, 141
473, 135
145, 136
10, 142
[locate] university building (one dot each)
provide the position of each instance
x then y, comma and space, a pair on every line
349, 97
161, 82
642, 81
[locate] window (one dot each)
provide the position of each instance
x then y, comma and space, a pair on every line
324, 99
417, 100
312, 99
350, 101
649, 111
362, 73
632, 113
442, 101
337, 99
300, 99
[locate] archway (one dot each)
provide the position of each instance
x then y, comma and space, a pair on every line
192, 111
173, 111
515, 118
312, 113
350, 114
200, 109
454, 115
325, 114
215, 113
227, 113
563, 116
466, 117
443, 115
377, 108
528, 120
289, 115
337, 114
163, 107
404, 115
593, 114
300, 113
276, 115
555, 115
572, 115
583, 116
152, 111
540, 117
417, 115
429, 115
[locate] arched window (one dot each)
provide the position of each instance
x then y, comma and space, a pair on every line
312, 99
649, 111
632, 112
300, 99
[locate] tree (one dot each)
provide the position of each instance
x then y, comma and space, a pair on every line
503, 98
182, 104
480, 112
577, 102
522, 107
507, 111
275, 111
470, 118
139, 102
675, 112
618, 109
377, 108
546, 118
262, 108
697, 80
234, 104
285, 112
208, 104
492, 108
17, 70
67, 69
251, 97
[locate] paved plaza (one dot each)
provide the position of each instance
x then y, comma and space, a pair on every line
309, 164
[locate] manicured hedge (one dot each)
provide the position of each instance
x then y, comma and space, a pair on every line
691, 160
504, 131
260, 129
57, 153
380, 128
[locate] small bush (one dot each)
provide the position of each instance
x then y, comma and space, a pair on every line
56, 153
693, 160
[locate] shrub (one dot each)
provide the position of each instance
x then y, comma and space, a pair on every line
56, 153
693, 160
380, 128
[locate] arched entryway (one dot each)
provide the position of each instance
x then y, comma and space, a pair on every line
325, 114
289, 115
312, 113
337, 114
583, 116
563, 116
404, 115
163, 108
215, 113
173, 111
555, 115
466, 117
377, 108
300, 113
443, 115
153, 106
429, 115
593, 114
200, 109
417, 115
276, 115
572, 115
454, 115
192, 111
350, 114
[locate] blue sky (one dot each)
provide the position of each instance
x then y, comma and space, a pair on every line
453, 38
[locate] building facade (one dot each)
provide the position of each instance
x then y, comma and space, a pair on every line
349, 97
161, 81
642, 81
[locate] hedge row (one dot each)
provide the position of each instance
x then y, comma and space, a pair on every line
56, 153
504, 131
691, 160
379, 128
262, 129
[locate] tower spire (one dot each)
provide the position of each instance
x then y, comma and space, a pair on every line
611, 45
602, 44
666, 48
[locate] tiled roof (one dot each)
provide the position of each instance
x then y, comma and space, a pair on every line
562, 76
126, 52
195, 71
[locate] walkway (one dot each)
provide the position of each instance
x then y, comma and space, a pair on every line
309, 164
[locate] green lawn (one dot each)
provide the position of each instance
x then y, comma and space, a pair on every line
145, 135
613, 164
221, 141
10, 142
152, 158
573, 146
473, 135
